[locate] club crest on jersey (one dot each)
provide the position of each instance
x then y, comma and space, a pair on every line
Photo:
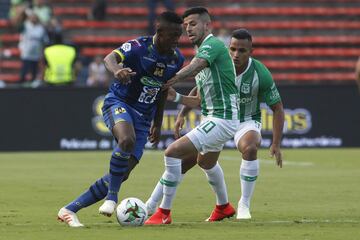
119, 110
148, 81
245, 88
159, 70
126, 47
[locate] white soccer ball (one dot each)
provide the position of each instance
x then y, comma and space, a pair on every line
131, 212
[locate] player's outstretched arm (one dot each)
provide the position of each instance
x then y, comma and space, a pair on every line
278, 125
113, 63
195, 66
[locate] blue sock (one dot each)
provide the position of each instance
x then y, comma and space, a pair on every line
119, 164
96, 192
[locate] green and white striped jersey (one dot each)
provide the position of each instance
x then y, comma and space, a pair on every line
216, 83
255, 85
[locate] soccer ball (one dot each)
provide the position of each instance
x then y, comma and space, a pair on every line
131, 212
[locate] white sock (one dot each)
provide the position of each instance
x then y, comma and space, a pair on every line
157, 194
249, 170
170, 180
216, 179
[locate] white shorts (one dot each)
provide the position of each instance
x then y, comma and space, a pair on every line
245, 127
212, 134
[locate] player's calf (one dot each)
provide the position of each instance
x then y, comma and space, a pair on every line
220, 212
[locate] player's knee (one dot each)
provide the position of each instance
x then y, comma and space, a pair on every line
173, 150
250, 152
126, 143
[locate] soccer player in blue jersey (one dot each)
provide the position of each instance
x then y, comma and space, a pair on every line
133, 108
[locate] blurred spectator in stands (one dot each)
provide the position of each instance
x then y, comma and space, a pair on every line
43, 11
54, 30
33, 37
98, 10
152, 5
17, 11
98, 76
357, 73
223, 35
60, 61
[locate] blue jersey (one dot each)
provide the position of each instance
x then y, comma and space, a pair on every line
152, 71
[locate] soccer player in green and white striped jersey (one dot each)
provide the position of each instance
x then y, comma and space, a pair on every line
214, 72
255, 85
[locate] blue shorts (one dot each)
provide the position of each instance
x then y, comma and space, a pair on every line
115, 111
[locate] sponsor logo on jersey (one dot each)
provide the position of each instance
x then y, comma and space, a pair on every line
120, 154
274, 92
245, 100
148, 81
206, 46
119, 110
204, 53
160, 65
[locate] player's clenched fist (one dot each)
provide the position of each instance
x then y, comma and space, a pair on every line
124, 75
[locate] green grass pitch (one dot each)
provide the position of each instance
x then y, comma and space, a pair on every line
315, 196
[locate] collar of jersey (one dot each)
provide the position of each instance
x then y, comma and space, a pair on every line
207, 37
247, 68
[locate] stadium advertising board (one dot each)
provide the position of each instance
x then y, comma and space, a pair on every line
70, 118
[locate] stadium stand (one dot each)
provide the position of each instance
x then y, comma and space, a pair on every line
299, 40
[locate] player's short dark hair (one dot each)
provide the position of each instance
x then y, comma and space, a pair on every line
195, 10
170, 17
242, 33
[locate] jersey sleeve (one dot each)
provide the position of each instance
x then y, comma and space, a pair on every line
128, 51
210, 50
268, 91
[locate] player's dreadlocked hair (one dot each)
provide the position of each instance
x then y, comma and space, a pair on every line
170, 17
241, 33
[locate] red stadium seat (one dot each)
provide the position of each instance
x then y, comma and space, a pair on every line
189, 52
222, 11
9, 38
13, 51
8, 77
308, 64
91, 51
116, 40
209, 1
354, 52
73, 24
10, 64
334, 76
4, 23
284, 40
292, 25
272, 40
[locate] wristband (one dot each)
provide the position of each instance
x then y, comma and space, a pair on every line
178, 97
